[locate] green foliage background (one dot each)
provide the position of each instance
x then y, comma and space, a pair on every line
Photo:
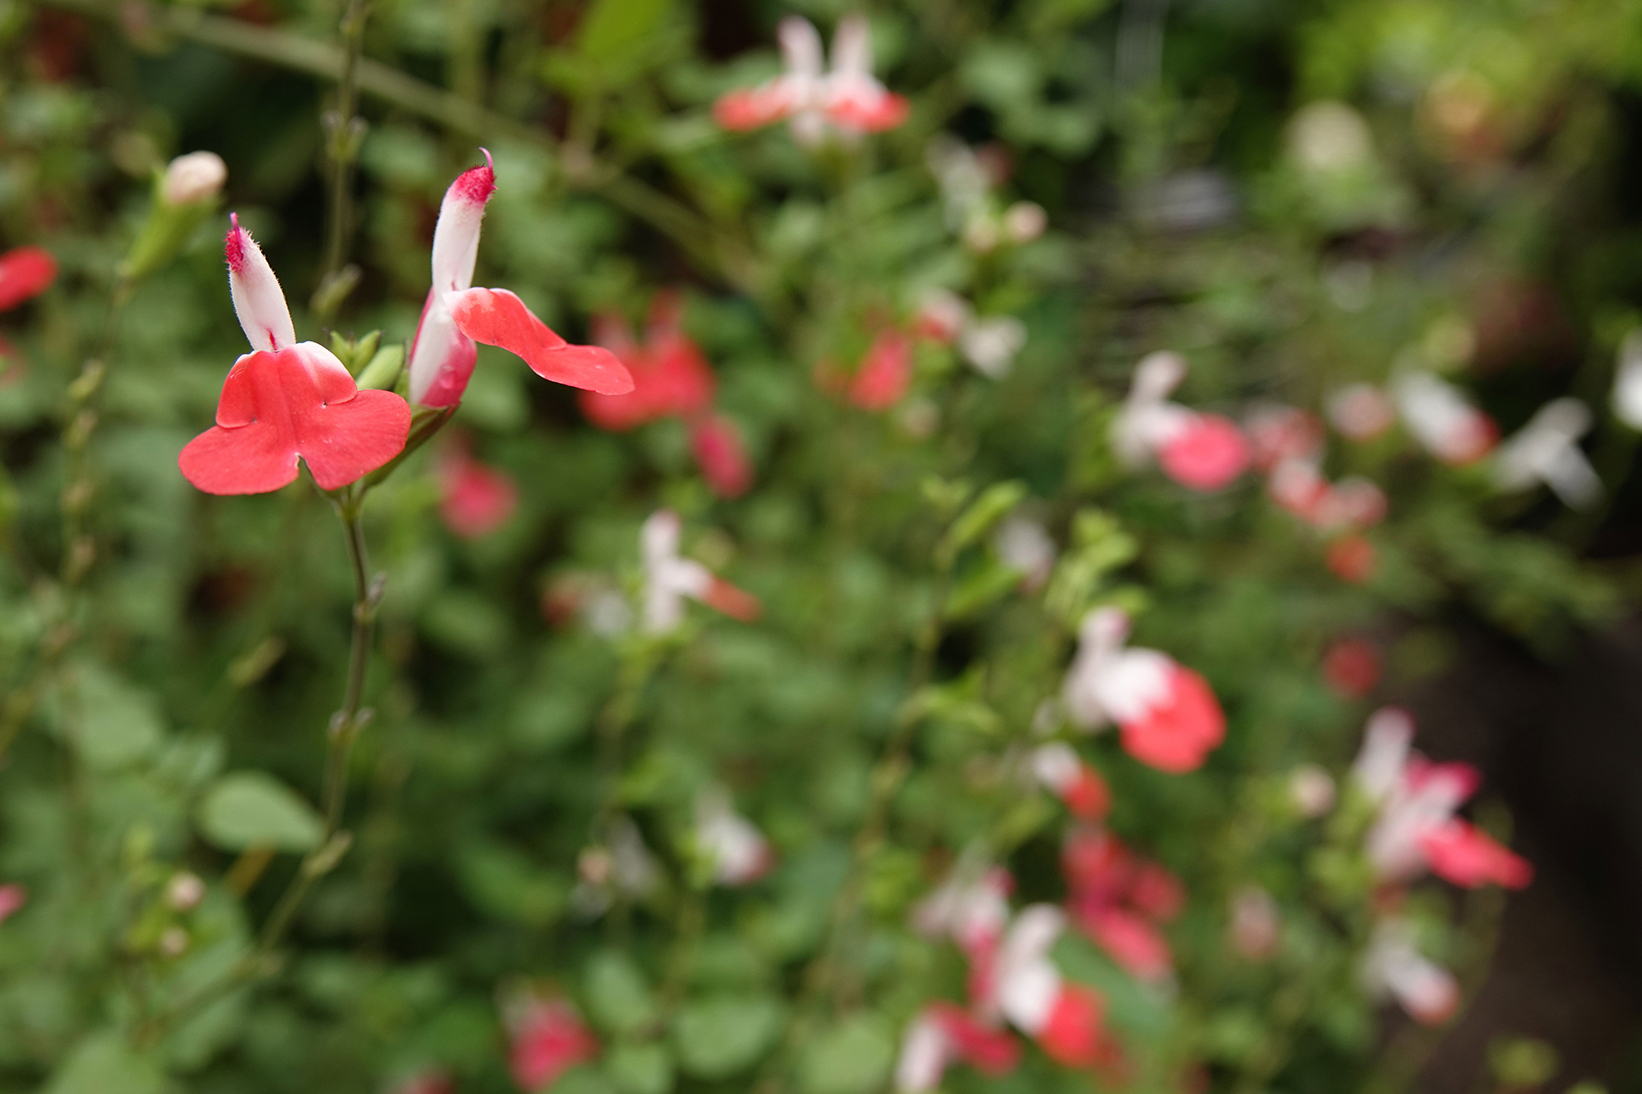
168, 688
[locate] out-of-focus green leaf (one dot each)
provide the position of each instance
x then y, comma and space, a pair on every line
717, 1037
246, 809
853, 1057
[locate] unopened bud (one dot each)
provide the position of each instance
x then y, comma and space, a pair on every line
174, 942
1312, 790
1025, 221
195, 177
184, 891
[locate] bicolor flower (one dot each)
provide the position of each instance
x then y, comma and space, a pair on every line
1066, 1019
547, 1037
1416, 829
971, 907
1440, 418
943, 1034
623, 866
1167, 714
456, 315
848, 99
1120, 901
287, 400
474, 500
969, 179
988, 343
1025, 546
1300, 487
1547, 451
1394, 967
737, 850
669, 579
1071, 779
671, 379
1201, 451
671, 376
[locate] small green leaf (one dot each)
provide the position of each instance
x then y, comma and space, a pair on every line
718, 1037
104, 1064
617, 995
852, 1057
641, 1069
985, 511
382, 372
119, 724
246, 809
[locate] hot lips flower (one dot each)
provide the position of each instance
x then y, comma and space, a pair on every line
456, 315
1202, 451
848, 99
287, 400
1168, 716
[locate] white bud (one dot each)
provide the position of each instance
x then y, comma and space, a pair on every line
1025, 221
198, 176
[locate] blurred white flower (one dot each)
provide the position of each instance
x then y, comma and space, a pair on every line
198, 176
1546, 450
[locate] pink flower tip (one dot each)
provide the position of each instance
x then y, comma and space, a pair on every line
234, 244
477, 183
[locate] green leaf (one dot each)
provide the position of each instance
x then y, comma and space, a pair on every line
985, 511
717, 1038
103, 1064
641, 1069
119, 724
246, 809
617, 995
852, 1057
613, 29
1138, 1010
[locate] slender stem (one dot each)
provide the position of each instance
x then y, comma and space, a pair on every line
345, 131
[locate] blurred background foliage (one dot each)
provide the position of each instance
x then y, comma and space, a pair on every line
1208, 190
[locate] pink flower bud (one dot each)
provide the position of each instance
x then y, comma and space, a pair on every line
258, 301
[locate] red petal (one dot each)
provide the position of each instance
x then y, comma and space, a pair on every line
1178, 735
1207, 455
1073, 1035
1133, 942
498, 318
25, 272
885, 373
723, 461
276, 407
1461, 853
1088, 797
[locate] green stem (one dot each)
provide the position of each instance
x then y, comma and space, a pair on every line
345, 130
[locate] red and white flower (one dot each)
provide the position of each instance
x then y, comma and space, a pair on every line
989, 343
287, 400
738, 851
885, 373
1167, 714
1121, 901
1416, 829
669, 579
1066, 1019
1278, 433
1071, 779
1394, 967
848, 99
971, 907
1441, 419
1547, 451
456, 315
1202, 451
943, 1034
547, 1037
1025, 546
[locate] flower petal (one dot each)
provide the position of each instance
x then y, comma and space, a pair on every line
25, 272
258, 300
496, 317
